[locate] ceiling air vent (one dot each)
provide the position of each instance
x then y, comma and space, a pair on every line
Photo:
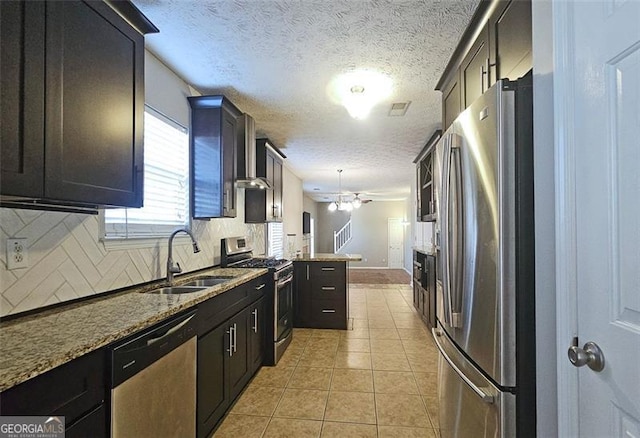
399, 109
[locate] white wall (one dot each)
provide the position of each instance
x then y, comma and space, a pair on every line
369, 230
67, 258
311, 207
326, 223
292, 202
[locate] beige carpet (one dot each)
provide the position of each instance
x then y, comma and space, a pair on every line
379, 276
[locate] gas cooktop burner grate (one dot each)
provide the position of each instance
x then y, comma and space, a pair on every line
262, 263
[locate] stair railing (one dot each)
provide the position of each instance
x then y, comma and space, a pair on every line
341, 237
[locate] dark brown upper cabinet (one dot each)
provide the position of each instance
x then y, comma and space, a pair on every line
510, 56
266, 205
474, 70
72, 82
496, 45
425, 190
214, 136
451, 105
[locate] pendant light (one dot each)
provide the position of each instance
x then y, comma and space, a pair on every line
341, 205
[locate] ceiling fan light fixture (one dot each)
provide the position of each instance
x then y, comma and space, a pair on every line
345, 206
359, 91
357, 202
332, 206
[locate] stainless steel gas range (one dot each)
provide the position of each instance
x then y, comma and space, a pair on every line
236, 252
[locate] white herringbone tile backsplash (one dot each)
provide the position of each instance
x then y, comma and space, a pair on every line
67, 260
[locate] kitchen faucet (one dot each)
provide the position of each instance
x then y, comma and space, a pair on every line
171, 269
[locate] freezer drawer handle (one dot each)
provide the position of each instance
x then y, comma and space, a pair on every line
487, 398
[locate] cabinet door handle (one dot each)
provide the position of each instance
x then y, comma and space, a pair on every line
328, 269
485, 72
225, 202
255, 321
328, 288
261, 286
307, 272
328, 311
235, 337
230, 333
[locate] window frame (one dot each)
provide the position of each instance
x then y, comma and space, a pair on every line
152, 240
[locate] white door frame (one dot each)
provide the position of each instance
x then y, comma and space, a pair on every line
565, 217
556, 272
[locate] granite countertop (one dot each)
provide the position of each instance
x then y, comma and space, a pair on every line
35, 344
429, 249
328, 257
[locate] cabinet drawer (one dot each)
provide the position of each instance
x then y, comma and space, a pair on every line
328, 290
259, 286
332, 271
221, 307
70, 390
93, 424
329, 314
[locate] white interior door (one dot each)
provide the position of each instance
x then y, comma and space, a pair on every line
396, 243
599, 189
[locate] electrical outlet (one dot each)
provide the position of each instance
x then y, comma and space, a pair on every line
17, 253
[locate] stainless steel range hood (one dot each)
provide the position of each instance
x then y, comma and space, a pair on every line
247, 157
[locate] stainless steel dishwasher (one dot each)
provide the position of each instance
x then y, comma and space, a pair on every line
153, 381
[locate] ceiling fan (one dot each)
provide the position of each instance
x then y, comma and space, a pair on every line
357, 200
344, 204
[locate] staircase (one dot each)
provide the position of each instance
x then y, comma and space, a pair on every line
341, 237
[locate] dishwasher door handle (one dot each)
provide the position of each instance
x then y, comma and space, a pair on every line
169, 332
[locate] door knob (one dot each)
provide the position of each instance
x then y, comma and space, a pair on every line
590, 355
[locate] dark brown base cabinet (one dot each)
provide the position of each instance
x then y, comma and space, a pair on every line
231, 348
65, 66
228, 355
75, 390
320, 295
424, 289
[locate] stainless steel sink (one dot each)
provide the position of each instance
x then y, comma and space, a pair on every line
177, 290
207, 281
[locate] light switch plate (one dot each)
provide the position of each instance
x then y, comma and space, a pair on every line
17, 253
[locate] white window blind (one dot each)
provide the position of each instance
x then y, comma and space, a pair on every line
166, 183
275, 240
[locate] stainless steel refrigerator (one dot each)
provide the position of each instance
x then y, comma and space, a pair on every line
485, 306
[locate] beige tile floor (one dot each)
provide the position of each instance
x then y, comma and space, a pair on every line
377, 379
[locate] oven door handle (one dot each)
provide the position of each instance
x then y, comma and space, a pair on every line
288, 279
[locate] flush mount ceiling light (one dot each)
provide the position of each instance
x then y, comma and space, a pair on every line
359, 91
342, 205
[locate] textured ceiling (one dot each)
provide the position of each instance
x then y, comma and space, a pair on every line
275, 59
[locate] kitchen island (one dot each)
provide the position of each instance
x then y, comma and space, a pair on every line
321, 290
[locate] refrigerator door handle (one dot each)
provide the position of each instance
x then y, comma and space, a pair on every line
487, 398
456, 243
444, 226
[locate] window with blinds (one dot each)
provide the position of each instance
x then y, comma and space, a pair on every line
166, 183
275, 240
